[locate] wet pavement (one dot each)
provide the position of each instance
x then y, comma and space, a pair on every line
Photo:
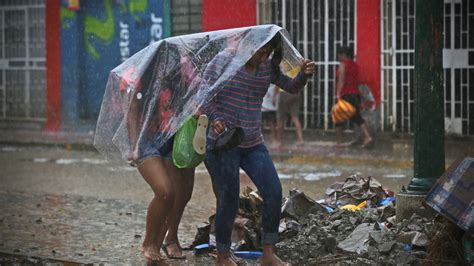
70, 204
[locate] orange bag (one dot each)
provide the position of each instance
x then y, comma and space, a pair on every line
342, 111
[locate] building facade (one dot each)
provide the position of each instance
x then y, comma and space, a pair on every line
55, 55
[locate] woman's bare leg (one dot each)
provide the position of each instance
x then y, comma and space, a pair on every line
154, 172
183, 183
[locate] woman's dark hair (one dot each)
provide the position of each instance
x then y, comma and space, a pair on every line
277, 56
347, 51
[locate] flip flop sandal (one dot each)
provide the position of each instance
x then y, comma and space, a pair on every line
236, 259
199, 140
164, 247
158, 258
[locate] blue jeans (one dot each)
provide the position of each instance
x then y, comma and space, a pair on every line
224, 169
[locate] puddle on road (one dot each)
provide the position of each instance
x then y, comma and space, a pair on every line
394, 176
67, 161
9, 149
285, 176
121, 168
320, 175
94, 161
41, 160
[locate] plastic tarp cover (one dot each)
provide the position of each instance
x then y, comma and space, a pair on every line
151, 94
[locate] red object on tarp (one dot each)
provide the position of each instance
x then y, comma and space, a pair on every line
73, 5
453, 194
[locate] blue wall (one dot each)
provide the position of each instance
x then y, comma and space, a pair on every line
95, 39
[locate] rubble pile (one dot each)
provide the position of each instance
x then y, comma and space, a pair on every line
357, 237
354, 224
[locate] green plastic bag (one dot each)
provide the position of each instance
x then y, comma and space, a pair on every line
184, 155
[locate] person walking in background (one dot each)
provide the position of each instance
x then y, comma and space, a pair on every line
347, 83
269, 112
289, 104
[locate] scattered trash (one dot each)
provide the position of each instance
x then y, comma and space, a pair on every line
354, 190
202, 249
408, 247
329, 209
250, 255
298, 205
358, 240
352, 207
355, 224
387, 201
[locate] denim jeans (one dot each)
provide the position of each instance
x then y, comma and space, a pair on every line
224, 168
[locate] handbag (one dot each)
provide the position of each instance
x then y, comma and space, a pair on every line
342, 111
184, 155
227, 140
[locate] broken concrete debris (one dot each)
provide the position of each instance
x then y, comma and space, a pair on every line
321, 232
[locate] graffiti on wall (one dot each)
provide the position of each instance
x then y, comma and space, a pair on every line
100, 29
99, 36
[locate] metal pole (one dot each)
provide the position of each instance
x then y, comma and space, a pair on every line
393, 54
326, 64
429, 156
305, 52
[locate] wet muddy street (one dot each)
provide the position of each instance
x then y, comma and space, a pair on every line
74, 205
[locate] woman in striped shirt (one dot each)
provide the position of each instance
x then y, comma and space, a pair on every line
238, 104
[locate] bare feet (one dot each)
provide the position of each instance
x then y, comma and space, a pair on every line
367, 142
272, 260
340, 145
173, 250
152, 254
226, 259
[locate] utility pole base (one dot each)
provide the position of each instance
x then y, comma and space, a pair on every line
408, 204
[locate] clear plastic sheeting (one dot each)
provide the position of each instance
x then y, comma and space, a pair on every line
152, 93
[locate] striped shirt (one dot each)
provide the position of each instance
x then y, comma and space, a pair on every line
239, 99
